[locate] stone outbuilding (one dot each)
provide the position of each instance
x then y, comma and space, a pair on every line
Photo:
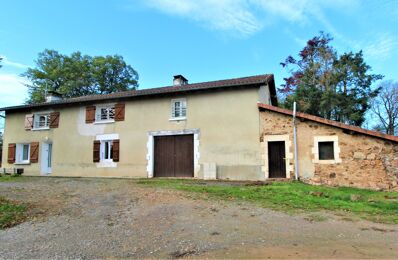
328, 152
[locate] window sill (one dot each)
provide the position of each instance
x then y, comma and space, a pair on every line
104, 122
335, 161
41, 129
178, 119
107, 164
21, 163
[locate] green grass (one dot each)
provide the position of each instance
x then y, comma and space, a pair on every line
11, 178
11, 213
296, 197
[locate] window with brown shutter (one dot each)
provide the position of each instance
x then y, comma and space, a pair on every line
90, 114
96, 151
34, 152
54, 119
11, 153
119, 112
29, 122
116, 150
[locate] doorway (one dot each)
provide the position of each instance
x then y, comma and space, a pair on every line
276, 159
174, 156
46, 158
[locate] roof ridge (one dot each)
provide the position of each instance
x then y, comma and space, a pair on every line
330, 122
172, 86
206, 85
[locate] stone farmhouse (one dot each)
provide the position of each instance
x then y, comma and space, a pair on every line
226, 129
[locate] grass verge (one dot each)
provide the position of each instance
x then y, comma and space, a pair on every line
296, 197
11, 213
11, 178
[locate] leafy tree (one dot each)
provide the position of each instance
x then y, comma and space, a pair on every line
328, 85
385, 108
78, 75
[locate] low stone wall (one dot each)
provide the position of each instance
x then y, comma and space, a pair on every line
366, 162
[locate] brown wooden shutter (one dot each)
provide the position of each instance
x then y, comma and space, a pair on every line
116, 150
96, 151
119, 112
54, 119
90, 114
28, 122
34, 152
11, 153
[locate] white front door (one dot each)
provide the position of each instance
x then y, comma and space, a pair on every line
46, 158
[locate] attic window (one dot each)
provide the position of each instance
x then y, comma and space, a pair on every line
326, 150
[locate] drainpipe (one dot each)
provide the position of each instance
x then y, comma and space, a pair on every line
295, 142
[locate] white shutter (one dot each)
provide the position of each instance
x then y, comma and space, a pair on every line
173, 107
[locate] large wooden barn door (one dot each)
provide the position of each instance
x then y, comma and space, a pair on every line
276, 159
173, 156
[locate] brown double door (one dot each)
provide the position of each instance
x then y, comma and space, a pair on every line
276, 159
173, 155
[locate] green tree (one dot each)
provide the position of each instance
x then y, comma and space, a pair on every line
78, 75
328, 85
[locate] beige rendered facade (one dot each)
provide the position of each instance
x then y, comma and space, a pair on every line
229, 129
224, 124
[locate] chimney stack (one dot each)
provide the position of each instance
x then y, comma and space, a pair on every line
52, 96
179, 80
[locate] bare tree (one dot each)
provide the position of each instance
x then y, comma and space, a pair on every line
385, 108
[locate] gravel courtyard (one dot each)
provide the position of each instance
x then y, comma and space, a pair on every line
116, 218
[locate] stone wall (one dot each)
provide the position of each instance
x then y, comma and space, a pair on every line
366, 162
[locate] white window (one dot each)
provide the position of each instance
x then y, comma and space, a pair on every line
41, 121
178, 109
107, 143
106, 151
22, 154
105, 113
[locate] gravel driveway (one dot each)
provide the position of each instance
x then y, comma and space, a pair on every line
115, 218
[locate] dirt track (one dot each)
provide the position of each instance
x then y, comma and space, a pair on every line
102, 218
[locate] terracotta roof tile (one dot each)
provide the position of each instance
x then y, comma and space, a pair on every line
236, 82
330, 122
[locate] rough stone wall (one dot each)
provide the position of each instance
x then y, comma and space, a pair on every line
367, 162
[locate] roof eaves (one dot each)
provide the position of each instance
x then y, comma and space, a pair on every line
329, 122
210, 85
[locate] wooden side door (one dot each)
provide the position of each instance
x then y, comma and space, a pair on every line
276, 159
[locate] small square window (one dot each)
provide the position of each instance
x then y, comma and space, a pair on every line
326, 150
